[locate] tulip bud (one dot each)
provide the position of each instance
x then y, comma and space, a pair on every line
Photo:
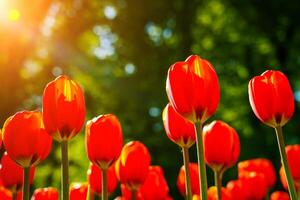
132, 167
271, 98
237, 189
104, 140
45, 194
255, 184
63, 108
279, 195
194, 176
78, 191
193, 89
178, 129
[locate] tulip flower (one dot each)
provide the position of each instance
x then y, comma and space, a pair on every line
237, 189
279, 195
272, 101
259, 165
45, 194
221, 149
132, 167
193, 90
293, 156
78, 191
26, 142
212, 194
182, 132
194, 174
5, 194
256, 185
11, 175
95, 179
104, 144
155, 185
127, 193
63, 115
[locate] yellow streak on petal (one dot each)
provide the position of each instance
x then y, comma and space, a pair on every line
197, 67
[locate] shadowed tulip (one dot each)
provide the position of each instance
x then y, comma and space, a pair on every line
95, 179
103, 140
132, 167
78, 191
194, 174
255, 184
49, 193
279, 195
63, 108
12, 174
193, 89
25, 138
259, 165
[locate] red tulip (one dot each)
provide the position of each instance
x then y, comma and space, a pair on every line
194, 176
193, 89
255, 184
293, 156
271, 98
178, 129
104, 140
259, 165
12, 174
45, 194
5, 194
278, 195
63, 108
95, 179
155, 187
78, 191
25, 138
221, 145
127, 193
237, 189
132, 167
212, 193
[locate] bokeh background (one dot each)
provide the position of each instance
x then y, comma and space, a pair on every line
120, 51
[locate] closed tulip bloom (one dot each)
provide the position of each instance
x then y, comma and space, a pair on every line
11, 174
279, 195
259, 165
221, 145
212, 193
95, 179
237, 189
271, 98
78, 191
132, 167
155, 187
63, 108
25, 138
104, 140
193, 89
194, 176
255, 184
178, 129
45, 194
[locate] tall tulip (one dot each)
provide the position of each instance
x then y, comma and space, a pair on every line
272, 101
11, 175
26, 142
221, 149
63, 114
182, 132
194, 174
104, 144
45, 194
193, 90
132, 167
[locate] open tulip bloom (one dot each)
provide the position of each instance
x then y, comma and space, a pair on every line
272, 101
193, 90
63, 115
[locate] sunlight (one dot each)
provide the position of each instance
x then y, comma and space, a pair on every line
8, 13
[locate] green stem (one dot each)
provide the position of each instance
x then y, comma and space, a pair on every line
14, 195
218, 183
26, 183
104, 185
133, 194
285, 164
268, 195
90, 194
64, 170
298, 193
186, 161
201, 163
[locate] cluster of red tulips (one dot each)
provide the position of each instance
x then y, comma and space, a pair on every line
193, 91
